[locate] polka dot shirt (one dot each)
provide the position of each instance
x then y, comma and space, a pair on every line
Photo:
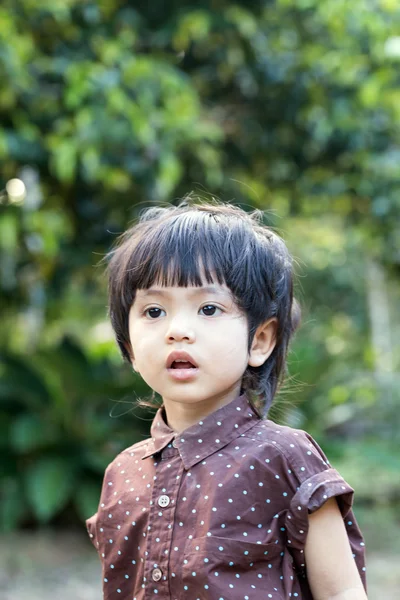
217, 512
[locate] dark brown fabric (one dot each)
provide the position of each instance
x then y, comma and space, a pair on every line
217, 512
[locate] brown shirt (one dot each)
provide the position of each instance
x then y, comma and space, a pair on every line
217, 512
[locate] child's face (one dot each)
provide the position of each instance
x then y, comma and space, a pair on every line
207, 325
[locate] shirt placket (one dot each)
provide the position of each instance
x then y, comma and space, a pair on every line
169, 469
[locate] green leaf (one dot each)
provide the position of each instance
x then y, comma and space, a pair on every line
49, 484
64, 159
29, 432
22, 382
86, 498
9, 232
168, 176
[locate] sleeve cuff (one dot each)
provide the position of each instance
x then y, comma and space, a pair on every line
310, 496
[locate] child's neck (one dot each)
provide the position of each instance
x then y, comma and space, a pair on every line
180, 415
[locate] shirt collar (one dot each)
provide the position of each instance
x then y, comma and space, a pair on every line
205, 437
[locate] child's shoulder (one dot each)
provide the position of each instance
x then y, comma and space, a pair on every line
288, 441
274, 433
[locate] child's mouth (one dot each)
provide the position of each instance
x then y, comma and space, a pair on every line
182, 370
181, 365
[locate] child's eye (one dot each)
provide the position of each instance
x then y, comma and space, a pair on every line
212, 307
152, 315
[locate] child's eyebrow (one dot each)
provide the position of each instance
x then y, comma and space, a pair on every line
210, 289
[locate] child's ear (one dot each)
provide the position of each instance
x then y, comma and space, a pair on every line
263, 342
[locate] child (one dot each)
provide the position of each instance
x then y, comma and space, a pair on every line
220, 503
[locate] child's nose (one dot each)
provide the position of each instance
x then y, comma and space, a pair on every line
180, 328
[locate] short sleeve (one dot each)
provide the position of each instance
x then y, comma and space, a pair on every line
314, 481
317, 480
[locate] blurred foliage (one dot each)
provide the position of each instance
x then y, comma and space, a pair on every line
291, 106
56, 435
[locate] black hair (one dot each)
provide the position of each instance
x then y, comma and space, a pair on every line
169, 244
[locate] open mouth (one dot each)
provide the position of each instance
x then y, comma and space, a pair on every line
183, 371
178, 364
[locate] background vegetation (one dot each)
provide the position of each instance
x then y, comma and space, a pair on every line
291, 106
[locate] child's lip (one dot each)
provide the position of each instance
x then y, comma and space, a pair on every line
180, 355
183, 374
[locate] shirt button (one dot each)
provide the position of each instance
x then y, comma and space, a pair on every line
156, 574
174, 443
163, 500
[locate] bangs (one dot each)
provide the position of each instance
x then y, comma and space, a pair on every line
187, 250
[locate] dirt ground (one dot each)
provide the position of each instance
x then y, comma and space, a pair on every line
52, 564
